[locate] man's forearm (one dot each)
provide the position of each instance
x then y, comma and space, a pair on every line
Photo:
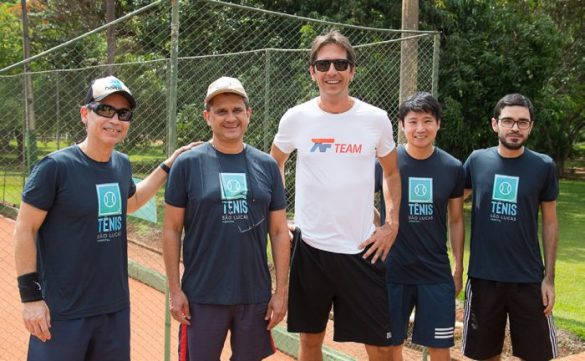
392, 196
172, 258
550, 241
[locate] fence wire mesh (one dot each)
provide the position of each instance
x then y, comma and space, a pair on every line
267, 51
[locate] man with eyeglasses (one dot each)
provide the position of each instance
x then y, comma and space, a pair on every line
70, 237
226, 196
340, 260
507, 277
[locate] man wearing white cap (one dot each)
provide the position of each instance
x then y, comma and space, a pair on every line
70, 238
226, 195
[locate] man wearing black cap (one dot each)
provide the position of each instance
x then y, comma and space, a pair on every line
70, 237
226, 195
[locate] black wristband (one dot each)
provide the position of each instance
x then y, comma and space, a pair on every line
29, 287
164, 167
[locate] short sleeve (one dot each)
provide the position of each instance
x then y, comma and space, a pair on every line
175, 191
550, 191
284, 138
467, 171
459, 187
386, 144
278, 200
42, 185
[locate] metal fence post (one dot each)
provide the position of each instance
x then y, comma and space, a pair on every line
173, 69
266, 100
435, 74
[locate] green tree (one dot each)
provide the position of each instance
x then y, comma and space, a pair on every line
10, 53
489, 48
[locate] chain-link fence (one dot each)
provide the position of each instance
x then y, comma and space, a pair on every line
267, 51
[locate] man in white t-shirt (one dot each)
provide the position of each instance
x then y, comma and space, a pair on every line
339, 261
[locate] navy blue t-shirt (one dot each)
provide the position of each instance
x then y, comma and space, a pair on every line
227, 199
507, 193
82, 244
419, 255
378, 188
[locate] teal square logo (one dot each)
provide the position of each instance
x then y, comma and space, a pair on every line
109, 199
505, 188
420, 190
233, 186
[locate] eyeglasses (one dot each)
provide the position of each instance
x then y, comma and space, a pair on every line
108, 111
339, 64
509, 123
250, 226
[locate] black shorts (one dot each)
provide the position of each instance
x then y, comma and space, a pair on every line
355, 287
487, 306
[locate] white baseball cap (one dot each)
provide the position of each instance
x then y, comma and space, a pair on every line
102, 87
225, 84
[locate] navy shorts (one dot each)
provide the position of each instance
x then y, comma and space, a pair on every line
205, 337
434, 320
96, 338
355, 287
487, 306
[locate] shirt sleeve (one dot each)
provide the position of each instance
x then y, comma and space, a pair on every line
386, 144
284, 138
459, 182
467, 171
175, 191
278, 200
550, 191
41, 187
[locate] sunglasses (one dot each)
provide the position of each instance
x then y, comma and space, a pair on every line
339, 64
108, 111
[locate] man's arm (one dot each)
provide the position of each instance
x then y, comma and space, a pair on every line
466, 193
151, 184
280, 243
550, 238
384, 236
172, 230
457, 238
36, 316
281, 158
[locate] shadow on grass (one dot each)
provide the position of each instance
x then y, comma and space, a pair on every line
573, 326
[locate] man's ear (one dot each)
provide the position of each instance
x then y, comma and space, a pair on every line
83, 112
206, 117
495, 125
312, 72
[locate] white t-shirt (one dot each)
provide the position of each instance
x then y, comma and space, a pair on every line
336, 153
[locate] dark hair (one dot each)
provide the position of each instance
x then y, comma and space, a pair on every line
332, 37
511, 100
420, 102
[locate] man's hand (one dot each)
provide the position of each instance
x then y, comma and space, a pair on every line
548, 296
179, 306
381, 241
37, 319
276, 309
169, 162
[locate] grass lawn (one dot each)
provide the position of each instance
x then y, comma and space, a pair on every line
570, 271
569, 311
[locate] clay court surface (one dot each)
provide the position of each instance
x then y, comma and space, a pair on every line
148, 311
